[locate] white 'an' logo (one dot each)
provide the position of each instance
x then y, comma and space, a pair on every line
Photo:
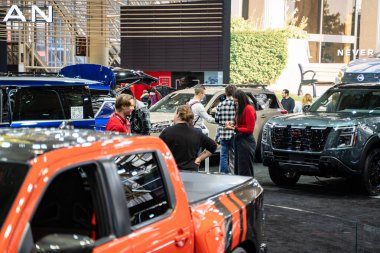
18, 16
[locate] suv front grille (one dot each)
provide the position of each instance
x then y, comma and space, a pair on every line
299, 138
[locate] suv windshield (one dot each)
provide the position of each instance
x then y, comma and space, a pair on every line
11, 177
172, 101
348, 101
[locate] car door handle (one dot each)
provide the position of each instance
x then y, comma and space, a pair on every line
263, 116
180, 240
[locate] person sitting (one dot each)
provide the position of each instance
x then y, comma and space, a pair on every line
184, 141
331, 106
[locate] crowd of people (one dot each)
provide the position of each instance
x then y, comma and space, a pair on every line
188, 137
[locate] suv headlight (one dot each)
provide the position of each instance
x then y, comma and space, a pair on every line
345, 137
267, 129
159, 126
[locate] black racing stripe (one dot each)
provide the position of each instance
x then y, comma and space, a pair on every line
245, 196
227, 223
240, 216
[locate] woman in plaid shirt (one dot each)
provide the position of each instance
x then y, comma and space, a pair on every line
225, 112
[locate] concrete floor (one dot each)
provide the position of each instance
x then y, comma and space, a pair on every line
318, 215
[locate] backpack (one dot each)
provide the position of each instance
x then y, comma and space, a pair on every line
140, 122
191, 105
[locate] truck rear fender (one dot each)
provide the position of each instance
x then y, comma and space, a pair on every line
236, 217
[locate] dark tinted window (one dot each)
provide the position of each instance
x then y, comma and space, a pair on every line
11, 177
73, 203
144, 186
52, 103
37, 104
77, 99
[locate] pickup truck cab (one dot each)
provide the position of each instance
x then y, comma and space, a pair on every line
339, 136
86, 191
27, 101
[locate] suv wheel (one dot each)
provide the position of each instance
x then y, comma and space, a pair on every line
371, 173
283, 178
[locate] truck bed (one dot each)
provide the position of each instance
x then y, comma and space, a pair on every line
201, 186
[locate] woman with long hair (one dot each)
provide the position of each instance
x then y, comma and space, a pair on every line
244, 142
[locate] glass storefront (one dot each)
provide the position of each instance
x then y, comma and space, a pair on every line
332, 26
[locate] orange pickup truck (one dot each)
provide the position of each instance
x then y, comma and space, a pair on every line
84, 191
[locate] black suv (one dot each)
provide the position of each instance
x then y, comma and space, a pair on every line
339, 136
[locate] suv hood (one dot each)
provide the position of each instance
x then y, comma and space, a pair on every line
318, 119
157, 117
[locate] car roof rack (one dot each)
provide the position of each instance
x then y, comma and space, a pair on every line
263, 86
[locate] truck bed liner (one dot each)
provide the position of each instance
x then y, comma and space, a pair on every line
201, 186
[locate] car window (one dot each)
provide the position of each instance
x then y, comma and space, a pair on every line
37, 104
106, 110
348, 101
5, 106
266, 101
144, 188
72, 204
11, 177
172, 101
51, 103
78, 103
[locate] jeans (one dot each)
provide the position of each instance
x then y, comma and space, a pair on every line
244, 149
225, 146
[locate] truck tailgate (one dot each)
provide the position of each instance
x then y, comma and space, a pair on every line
201, 186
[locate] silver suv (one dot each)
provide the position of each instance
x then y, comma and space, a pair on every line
265, 101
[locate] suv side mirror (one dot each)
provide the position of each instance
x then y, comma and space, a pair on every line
64, 243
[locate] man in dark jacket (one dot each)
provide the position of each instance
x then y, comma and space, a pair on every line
287, 102
184, 141
140, 119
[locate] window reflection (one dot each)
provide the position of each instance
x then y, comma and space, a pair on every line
329, 52
328, 17
338, 17
311, 10
313, 52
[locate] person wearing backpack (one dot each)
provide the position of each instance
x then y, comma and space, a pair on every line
199, 110
140, 119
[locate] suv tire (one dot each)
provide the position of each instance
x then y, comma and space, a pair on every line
283, 178
371, 173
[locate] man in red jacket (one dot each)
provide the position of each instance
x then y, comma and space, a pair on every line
124, 106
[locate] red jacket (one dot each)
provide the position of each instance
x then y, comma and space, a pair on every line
117, 123
247, 123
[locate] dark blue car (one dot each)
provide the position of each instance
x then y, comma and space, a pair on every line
46, 101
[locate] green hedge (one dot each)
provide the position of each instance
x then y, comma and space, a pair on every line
258, 56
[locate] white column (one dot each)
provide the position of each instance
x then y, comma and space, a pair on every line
274, 14
98, 32
236, 8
